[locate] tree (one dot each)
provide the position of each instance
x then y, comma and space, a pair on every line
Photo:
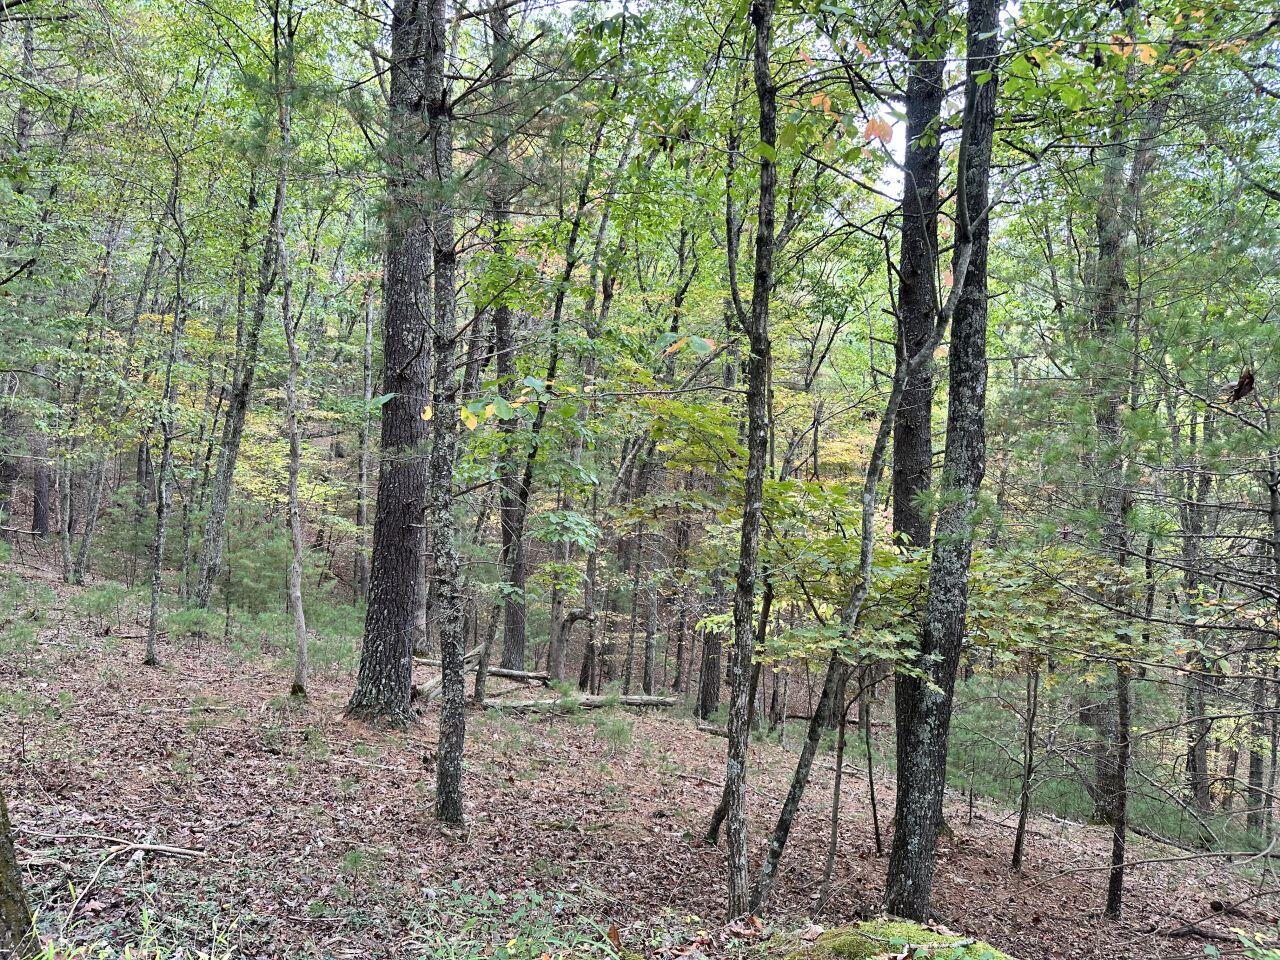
383, 687
444, 426
17, 933
755, 324
924, 702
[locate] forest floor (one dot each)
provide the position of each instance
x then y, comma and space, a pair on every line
317, 837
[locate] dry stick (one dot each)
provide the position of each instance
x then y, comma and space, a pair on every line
429, 690
125, 847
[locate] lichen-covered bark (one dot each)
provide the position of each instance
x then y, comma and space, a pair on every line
923, 703
17, 935
444, 436
756, 323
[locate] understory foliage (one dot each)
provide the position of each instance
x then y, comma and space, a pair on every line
590, 327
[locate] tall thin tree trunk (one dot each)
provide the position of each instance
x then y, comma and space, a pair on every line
384, 683
166, 417
214, 536
283, 69
756, 326
1028, 765
444, 432
361, 571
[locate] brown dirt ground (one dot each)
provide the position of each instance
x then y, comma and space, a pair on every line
319, 834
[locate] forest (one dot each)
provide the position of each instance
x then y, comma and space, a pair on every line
639, 480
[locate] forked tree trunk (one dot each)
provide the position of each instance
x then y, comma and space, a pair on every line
923, 703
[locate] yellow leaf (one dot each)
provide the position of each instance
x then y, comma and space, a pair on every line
1146, 53
469, 419
426, 412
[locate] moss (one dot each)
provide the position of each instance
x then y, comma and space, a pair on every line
881, 938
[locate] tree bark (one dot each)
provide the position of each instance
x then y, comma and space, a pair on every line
756, 324
17, 933
40, 484
1028, 765
918, 279
384, 683
923, 703
165, 417
361, 565
283, 68
444, 434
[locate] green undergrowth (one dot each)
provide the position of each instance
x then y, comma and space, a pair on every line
894, 938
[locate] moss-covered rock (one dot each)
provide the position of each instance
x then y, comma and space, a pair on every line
892, 938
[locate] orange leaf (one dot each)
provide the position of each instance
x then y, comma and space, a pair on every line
878, 129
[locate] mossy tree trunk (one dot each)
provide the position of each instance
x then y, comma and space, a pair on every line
17, 934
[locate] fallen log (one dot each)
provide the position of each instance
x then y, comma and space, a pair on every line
569, 704
428, 690
531, 676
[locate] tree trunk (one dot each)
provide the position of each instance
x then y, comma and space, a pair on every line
709, 676
40, 484
1028, 765
17, 934
1118, 795
756, 324
923, 704
444, 435
8, 450
799, 781
917, 286
385, 680
1256, 818
165, 417
361, 566
283, 77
